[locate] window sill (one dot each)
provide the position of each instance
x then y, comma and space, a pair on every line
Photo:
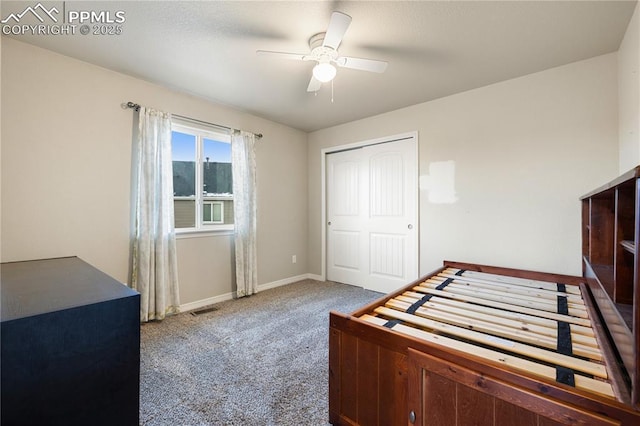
199, 233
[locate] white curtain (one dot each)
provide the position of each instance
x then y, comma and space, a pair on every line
154, 262
244, 206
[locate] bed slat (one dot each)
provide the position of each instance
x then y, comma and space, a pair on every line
584, 383
496, 304
584, 366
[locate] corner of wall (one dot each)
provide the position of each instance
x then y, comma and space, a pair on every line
0, 151
629, 95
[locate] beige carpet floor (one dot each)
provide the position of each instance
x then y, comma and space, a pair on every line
261, 360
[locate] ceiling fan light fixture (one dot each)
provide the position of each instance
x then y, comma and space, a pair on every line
324, 72
324, 51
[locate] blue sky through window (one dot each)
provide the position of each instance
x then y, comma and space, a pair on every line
183, 148
218, 152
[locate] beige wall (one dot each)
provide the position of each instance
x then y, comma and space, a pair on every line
0, 150
524, 151
66, 161
629, 95
205, 266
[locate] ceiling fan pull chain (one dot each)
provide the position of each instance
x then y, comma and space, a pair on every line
331, 91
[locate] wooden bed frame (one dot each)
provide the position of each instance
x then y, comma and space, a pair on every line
474, 344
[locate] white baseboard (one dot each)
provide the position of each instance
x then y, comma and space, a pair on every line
315, 277
192, 306
282, 282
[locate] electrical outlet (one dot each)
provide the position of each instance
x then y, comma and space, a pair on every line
294, 259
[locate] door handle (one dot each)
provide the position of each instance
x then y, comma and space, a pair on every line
329, 223
410, 226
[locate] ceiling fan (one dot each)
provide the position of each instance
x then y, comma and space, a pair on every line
324, 50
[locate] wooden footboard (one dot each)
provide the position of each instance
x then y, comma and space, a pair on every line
529, 332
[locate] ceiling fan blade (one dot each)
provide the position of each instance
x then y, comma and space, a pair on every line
283, 55
337, 27
362, 64
314, 85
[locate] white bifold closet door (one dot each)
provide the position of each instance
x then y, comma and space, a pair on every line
372, 215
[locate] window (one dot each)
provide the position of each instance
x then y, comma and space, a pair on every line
202, 178
213, 212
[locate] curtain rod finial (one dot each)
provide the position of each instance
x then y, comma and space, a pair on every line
130, 105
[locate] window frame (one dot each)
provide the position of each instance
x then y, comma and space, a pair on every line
202, 132
212, 203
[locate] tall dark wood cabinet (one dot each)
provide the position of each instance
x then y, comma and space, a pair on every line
610, 236
70, 345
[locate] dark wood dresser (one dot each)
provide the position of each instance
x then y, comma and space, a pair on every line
70, 345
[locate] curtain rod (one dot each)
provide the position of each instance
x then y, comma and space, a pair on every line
136, 107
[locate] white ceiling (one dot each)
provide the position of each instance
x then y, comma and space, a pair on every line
434, 49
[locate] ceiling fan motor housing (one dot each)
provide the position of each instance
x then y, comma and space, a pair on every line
319, 52
316, 40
